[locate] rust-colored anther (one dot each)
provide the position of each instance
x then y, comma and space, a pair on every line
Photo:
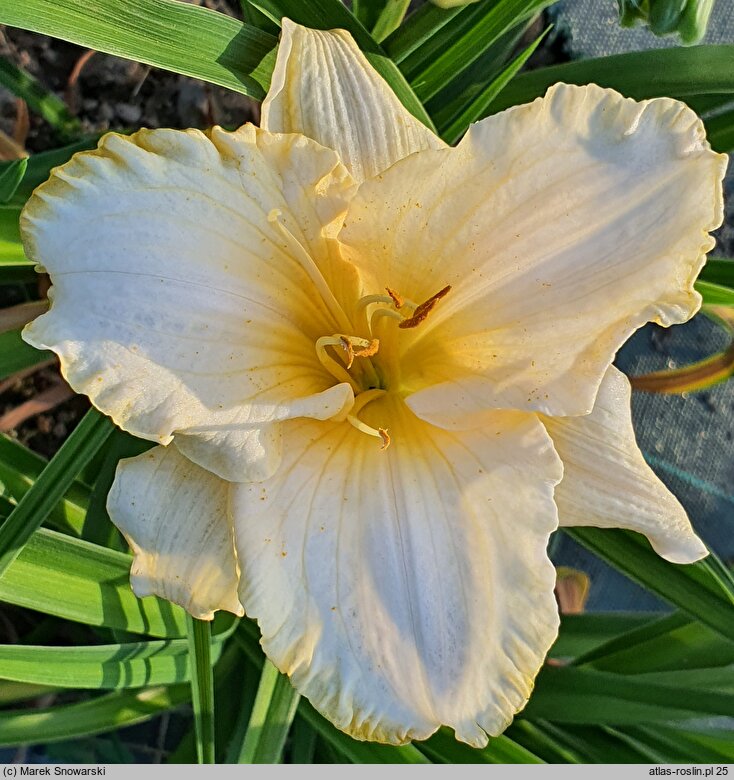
354, 351
397, 298
424, 309
369, 350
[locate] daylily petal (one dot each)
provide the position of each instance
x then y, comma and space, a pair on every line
410, 587
606, 481
180, 301
324, 87
174, 516
562, 226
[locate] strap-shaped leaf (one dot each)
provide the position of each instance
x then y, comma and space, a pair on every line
485, 24
574, 695
443, 748
720, 131
38, 98
167, 34
36, 505
70, 721
671, 643
101, 667
271, 718
676, 73
20, 468
11, 175
84, 582
479, 105
701, 589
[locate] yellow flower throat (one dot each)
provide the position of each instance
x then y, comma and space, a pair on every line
348, 358
354, 366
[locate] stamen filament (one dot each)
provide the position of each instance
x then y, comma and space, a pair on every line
306, 262
377, 313
366, 300
359, 403
338, 372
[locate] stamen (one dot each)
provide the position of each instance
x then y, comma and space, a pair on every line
377, 313
359, 403
366, 300
365, 348
328, 362
424, 309
304, 259
397, 298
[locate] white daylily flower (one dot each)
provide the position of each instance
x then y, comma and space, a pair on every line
279, 304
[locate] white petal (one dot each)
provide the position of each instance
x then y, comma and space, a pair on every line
178, 305
406, 588
174, 516
323, 87
606, 481
562, 227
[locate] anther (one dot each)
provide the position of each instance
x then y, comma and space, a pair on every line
397, 298
364, 348
424, 309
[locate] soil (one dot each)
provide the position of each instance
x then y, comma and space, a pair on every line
105, 93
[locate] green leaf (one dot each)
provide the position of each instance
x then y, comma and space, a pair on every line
700, 589
538, 738
36, 505
202, 687
86, 583
359, 752
329, 14
575, 695
303, 743
715, 293
104, 713
12, 692
19, 469
38, 98
37, 171
367, 12
596, 745
720, 131
672, 643
420, 26
167, 34
271, 718
443, 748
719, 271
390, 18
582, 634
117, 666
710, 747
16, 355
471, 34
479, 106
11, 175
677, 73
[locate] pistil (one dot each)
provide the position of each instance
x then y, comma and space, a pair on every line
359, 403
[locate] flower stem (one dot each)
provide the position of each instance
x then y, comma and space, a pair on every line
202, 687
